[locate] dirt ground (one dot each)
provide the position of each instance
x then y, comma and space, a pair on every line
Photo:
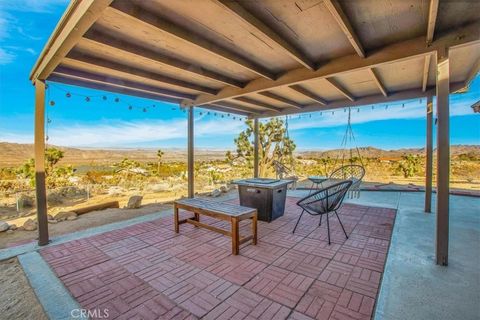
18, 300
84, 221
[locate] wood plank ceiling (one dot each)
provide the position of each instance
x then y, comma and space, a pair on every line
263, 58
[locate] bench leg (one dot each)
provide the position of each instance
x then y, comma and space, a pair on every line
235, 235
197, 217
254, 228
175, 218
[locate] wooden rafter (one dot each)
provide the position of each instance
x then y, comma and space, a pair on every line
337, 12
112, 81
432, 19
99, 40
74, 59
141, 15
368, 100
260, 27
309, 94
340, 89
236, 108
473, 72
275, 96
398, 52
216, 107
78, 18
426, 69
97, 86
378, 82
258, 103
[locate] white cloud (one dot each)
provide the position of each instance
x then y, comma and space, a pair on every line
6, 56
118, 133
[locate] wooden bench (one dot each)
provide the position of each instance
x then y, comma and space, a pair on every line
219, 210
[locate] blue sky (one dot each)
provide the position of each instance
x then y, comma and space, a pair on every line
25, 26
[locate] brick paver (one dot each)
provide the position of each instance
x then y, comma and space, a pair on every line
147, 271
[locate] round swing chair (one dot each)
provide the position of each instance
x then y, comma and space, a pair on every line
349, 169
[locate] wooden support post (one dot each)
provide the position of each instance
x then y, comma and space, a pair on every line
191, 161
41, 192
255, 148
429, 156
443, 156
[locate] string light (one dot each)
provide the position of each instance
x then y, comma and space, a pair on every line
87, 99
52, 103
104, 98
117, 99
68, 95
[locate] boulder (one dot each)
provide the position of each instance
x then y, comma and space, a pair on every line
52, 221
9, 231
64, 215
4, 226
54, 198
25, 201
159, 187
72, 218
30, 225
224, 189
49, 217
134, 202
216, 193
115, 191
13, 227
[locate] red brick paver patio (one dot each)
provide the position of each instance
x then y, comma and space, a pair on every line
146, 271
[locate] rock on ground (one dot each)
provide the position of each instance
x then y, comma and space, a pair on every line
30, 225
64, 215
216, 193
134, 202
4, 226
25, 201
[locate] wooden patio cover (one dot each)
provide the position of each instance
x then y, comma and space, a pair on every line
263, 58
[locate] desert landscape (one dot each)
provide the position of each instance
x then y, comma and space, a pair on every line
110, 178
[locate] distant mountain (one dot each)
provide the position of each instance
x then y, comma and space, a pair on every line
13, 154
371, 152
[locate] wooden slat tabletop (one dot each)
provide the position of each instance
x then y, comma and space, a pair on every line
215, 206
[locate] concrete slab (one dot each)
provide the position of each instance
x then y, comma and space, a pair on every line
54, 297
413, 286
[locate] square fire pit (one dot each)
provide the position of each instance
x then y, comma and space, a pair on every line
266, 195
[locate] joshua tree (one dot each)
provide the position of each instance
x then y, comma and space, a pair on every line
409, 165
160, 154
273, 145
52, 157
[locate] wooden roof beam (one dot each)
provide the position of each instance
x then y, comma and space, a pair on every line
76, 59
426, 70
258, 103
77, 19
236, 108
112, 81
472, 73
340, 89
397, 52
97, 39
432, 20
275, 96
242, 14
127, 8
308, 94
369, 100
337, 12
109, 88
378, 82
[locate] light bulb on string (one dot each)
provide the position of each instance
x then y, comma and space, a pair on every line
68, 95
144, 109
52, 103
117, 99
104, 98
358, 110
87, 99
373, 107
130, 107
403, 105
